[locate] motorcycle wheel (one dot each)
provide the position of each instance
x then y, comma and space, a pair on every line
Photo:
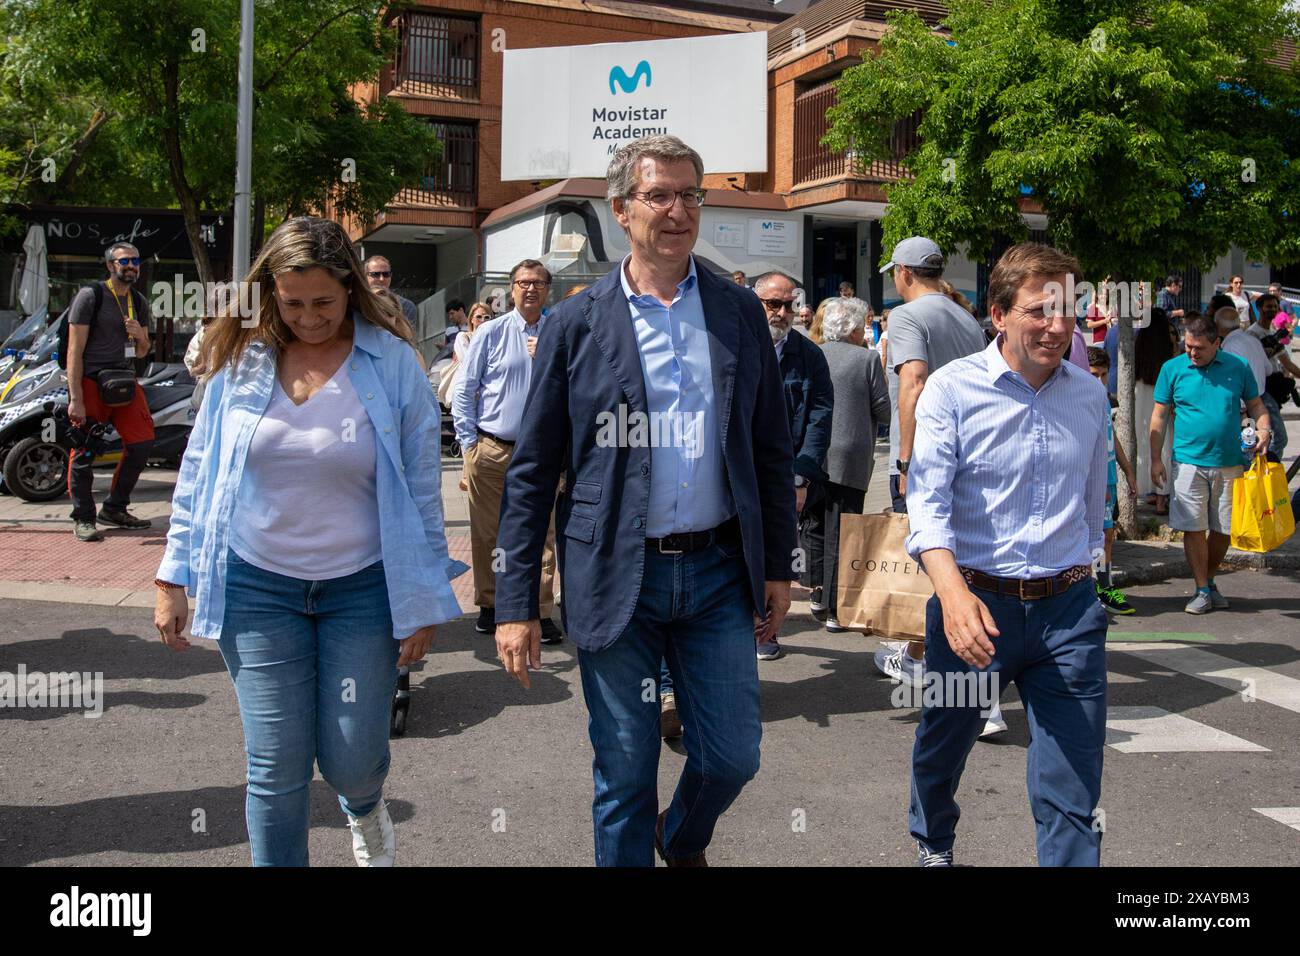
37, 470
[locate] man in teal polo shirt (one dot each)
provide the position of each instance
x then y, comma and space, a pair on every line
1206, 388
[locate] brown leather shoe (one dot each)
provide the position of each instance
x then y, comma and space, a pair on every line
670, 724
696, 860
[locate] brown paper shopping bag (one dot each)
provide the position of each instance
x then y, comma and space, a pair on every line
881, 589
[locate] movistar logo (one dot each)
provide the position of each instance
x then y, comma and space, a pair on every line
618, 77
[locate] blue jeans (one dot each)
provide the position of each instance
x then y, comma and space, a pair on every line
695, 611
665, 679
1055, 651
314, 665
1277, 439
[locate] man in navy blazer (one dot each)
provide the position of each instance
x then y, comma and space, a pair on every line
657, 393
809, 397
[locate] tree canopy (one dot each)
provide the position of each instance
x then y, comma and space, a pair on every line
165, 79
1152, 134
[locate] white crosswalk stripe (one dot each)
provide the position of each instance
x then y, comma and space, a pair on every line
1156, 730
1257, 682
1290, 816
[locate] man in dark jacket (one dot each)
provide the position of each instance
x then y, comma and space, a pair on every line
859, 382
657, 393
809, 397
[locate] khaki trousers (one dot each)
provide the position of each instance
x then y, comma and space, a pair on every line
485, 473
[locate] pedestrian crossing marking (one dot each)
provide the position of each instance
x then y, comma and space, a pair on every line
1156, 730
1255, 682
1288, 816
1114, 635
1113, 678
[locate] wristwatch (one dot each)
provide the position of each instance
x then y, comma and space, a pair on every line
800, 481
902, 464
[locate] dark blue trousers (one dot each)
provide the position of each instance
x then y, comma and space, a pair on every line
1055, 651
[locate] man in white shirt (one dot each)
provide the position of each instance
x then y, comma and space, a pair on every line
1278, 361
1242, 344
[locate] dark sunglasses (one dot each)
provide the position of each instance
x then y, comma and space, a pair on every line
776, 305
379, 275
132, 261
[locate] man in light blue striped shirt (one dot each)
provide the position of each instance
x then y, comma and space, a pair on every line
1005, 497
487, 407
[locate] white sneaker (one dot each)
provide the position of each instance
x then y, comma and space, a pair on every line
373, 840
994, 724
900, 666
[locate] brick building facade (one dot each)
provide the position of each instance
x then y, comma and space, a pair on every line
449, 70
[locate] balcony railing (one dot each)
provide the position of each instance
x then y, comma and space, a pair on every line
437, 56
451, 182
813, 161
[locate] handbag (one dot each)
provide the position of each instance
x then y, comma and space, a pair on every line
881, 589
444, 383
116, 386
1261, 508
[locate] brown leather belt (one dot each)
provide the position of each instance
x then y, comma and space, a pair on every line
685, 542
1027, 589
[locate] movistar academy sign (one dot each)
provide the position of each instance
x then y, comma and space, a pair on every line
710, 91
618, 126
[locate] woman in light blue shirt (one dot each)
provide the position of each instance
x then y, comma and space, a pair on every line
307, 525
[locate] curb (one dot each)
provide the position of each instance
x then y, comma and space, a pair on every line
1167, 562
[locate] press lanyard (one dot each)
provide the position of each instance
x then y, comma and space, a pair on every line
129, 350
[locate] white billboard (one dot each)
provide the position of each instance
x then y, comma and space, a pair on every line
565, 110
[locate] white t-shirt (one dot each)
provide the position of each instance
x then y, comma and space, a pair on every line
1243, 306
459, 349
308, 506
1241, 343
1257, 330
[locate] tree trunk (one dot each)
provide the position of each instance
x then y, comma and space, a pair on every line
1125, 426
176, 170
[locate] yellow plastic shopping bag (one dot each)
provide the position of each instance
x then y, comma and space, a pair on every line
1261, 508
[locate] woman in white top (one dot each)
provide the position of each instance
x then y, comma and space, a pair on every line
1240, 298
478, 314
307, 523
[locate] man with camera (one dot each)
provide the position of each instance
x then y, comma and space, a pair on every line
107, 330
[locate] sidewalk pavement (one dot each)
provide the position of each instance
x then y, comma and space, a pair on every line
40, 560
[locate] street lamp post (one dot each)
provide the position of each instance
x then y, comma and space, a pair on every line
244, 146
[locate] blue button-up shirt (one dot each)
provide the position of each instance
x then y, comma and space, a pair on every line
498, 369
1012, 481
394, 390
688, 484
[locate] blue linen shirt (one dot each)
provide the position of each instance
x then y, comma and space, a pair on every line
688, 483
1011, 481
394, 390
492, 392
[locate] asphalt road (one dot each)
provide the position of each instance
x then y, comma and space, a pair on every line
130, 787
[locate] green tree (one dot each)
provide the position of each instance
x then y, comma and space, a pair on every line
168, 81
1153, 134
